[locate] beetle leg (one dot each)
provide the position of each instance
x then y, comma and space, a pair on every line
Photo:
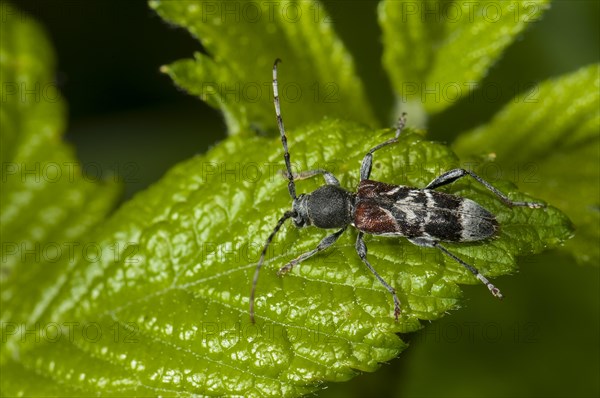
367, 163
361, 249
453, 175
425, 242
324, 244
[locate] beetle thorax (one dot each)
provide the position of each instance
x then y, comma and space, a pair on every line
329, 206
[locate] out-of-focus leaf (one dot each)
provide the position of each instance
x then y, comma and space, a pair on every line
46, 204
437, 51
243, 39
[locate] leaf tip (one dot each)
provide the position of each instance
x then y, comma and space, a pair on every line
164, 69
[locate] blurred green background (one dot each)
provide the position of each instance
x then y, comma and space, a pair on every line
127, 118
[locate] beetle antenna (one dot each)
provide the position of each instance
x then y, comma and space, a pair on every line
286, 153
288, 214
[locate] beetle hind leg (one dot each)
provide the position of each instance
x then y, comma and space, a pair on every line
425, 242
453, 175
493, 289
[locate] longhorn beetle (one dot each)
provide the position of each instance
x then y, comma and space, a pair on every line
424, 216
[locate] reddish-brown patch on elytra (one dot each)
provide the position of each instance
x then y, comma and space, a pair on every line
369, 217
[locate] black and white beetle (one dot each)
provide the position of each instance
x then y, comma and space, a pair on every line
424, 216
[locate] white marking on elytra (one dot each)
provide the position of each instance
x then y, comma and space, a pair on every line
393, 191
407, 206
430, 205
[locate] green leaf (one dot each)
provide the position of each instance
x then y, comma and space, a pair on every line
173, 304
437, 51
243, 39
549, 139
46, 204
